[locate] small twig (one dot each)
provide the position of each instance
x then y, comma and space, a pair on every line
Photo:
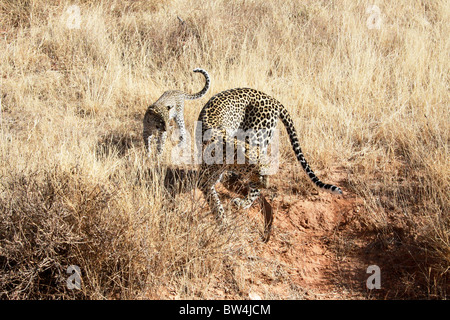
181, 20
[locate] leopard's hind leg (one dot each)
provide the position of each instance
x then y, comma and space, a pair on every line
211, 175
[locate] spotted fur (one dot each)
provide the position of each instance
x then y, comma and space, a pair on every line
169, 106
249, 110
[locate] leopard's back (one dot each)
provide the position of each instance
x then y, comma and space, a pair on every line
240, 108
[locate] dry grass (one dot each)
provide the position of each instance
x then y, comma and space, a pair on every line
76, 187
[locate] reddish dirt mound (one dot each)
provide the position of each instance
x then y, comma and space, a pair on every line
312, 226
317, 243
317, 249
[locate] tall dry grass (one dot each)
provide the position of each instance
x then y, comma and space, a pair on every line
77, 189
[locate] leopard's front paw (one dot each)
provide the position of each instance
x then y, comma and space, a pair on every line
241, 203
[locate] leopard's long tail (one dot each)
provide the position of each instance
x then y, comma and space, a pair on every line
289, 124
205, 88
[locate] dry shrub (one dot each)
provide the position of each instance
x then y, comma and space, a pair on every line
53, 220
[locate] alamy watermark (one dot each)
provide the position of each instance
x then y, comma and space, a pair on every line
72, 17
374, 281
229, 147
74, 280
374, 20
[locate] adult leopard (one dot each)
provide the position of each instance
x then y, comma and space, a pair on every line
256, 114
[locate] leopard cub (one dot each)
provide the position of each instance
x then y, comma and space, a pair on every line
169, 106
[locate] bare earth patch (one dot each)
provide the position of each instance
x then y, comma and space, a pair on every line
317, 250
